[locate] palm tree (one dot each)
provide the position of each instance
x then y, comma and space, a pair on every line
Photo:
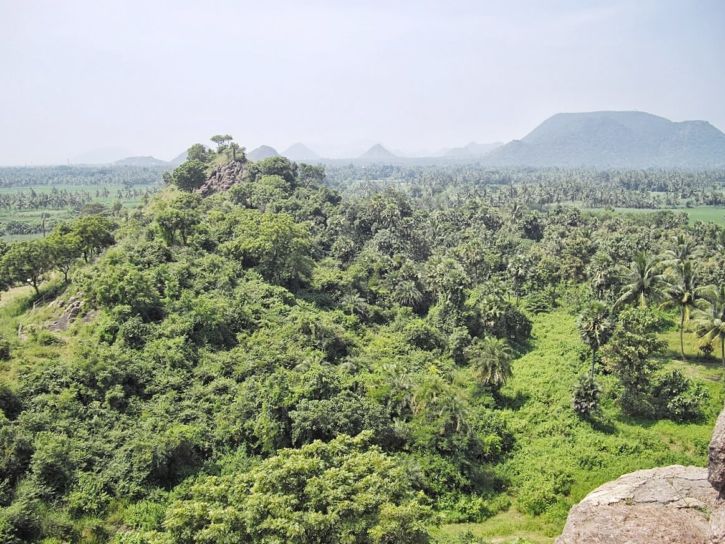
682, 291
491, 358
644, 281
595, 328
710, 318
681, 251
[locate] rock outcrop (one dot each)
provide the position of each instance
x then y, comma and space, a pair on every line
668, 505
71, 309
222, 178
716, 456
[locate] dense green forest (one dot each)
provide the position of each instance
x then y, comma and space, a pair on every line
388, 356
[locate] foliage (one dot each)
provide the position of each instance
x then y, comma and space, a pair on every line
283, 362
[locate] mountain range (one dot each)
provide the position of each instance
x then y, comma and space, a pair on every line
602, 139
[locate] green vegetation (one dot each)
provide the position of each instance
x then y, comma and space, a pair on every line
280, 362
35, 200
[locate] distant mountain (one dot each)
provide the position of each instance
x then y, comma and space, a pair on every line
377, 153
627, 139
179, 159
141, 161
471, 150
262, 152
300, 152
103, 155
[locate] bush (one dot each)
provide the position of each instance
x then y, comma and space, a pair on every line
4, 348
677, 398
586, 396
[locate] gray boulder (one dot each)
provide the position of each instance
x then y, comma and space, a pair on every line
670, 505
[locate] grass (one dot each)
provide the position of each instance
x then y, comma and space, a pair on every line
707, 214
559, 458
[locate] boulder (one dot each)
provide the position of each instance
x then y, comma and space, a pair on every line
669, 505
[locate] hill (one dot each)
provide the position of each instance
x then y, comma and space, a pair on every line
628, 139
377, 153
179, 159
471, 150
141, 161
262, 152
300, 152
102, 155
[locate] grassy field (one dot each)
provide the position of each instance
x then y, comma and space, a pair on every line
707, 214
558, 458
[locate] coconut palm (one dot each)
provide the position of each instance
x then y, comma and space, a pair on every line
709, 318
595, 329
682, 290
491, 359
682, 250
644, 279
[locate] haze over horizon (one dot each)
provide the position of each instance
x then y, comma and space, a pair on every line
151, 78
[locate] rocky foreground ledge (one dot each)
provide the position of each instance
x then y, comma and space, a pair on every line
668, 505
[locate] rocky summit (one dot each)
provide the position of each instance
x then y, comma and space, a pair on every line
668, 505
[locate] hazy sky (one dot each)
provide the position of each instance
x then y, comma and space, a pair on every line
152, 77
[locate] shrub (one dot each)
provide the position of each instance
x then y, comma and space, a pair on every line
586, 396
677, 398
4, 348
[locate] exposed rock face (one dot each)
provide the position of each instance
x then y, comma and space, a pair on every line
669, 505
223, 178
716, 465
71, 308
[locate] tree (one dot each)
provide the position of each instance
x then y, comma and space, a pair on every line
274, 244
683, 291
629, 356
491, 358
26, 263
341, 491
198, 152
190, 175
95, 233
645, 281
595, 329
683, 249
709, 318
221, 141
236, 149
64, 248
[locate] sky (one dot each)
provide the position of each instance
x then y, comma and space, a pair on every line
84, 78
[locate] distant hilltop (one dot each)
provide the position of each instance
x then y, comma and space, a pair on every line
141, 161
625, 139
300, 152
262, 152
377, 153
